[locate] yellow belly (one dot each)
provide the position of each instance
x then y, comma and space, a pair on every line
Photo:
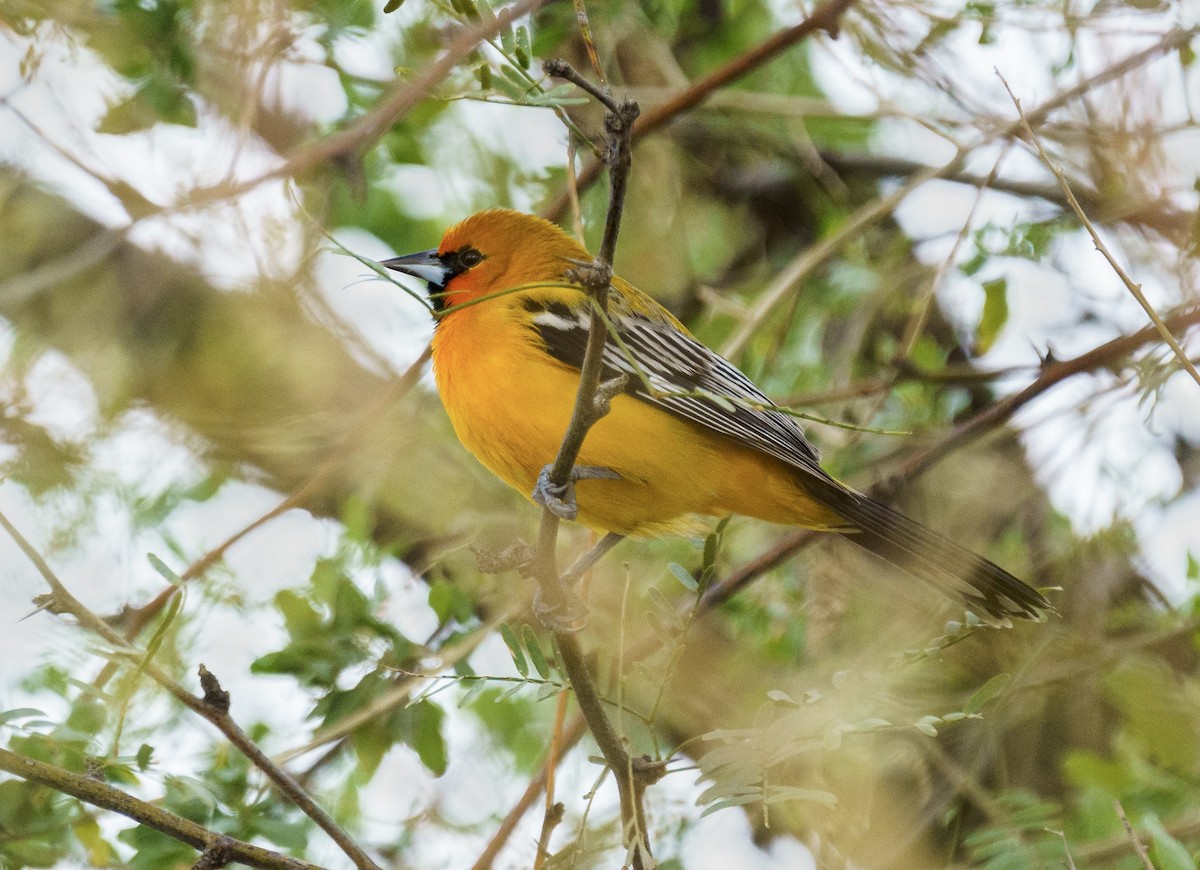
510, 408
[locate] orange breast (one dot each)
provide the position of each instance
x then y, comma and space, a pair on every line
510, 404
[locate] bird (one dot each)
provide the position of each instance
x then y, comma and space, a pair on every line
687, 435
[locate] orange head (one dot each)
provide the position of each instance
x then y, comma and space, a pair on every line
492, 251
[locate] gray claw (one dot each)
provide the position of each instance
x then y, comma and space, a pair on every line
560, 500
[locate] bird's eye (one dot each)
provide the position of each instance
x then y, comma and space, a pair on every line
469, 257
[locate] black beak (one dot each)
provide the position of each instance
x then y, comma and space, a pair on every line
426, 265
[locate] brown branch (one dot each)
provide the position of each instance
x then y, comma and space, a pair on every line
825, 17
1134, 289
1105, 356
100, 794
209, 707
553, 814
854, 224
390, 109
589, 408
1158, 215
139, 618
571, 735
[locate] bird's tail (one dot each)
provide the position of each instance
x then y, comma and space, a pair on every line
927, 555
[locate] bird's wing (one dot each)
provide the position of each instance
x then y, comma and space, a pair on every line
673, 371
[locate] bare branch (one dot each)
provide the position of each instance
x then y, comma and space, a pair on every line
1134, 289
825, 17
868, 214
62, 601
100, 794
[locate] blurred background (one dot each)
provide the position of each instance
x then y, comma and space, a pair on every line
206, 388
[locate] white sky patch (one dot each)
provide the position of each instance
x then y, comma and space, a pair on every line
395, 324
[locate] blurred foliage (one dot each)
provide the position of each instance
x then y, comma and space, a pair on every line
141, 398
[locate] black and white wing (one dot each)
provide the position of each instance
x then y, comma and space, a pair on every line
685, 378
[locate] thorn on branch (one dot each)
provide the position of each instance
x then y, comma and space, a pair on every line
50, 603
214, 696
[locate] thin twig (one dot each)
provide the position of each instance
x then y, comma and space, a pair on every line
552, 814
62, 601
595, 280
1134, 288
856, 223
825, 17
140, 617
370, 126
100, 794
1104, 356
1138, 846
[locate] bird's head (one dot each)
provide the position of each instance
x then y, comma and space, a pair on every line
491, 252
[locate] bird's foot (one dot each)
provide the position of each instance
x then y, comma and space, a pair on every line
568, 615
560, 499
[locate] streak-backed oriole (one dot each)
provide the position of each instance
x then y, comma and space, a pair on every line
690, 436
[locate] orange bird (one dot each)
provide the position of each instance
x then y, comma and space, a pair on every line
689, 437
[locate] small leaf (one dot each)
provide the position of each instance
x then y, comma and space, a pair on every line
145, 755
161, 567
684, 576
926, 725
989, 690
995, 314
514, 649
1166, 852
535, 652
474, 685
523, 52
19, 713
392, 6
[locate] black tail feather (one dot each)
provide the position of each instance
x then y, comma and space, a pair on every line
927, 555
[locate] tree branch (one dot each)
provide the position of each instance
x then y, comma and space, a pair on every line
100, 794
825, 17
595, 280
853, 226
209, 707
1134, 289
1105, 356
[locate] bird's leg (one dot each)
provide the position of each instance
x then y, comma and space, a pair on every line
560, 500
570, 615
591, 557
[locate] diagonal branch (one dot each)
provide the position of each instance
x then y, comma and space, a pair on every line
1104, 356
1134, 288
825, 17
853, 226
211, 707
103, 795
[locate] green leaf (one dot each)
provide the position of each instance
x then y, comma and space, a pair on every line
1166, 853
392, 6
684, 576
514, 649
163, 569
523, 52
995, 314
19, 713
989, 690
535, 652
